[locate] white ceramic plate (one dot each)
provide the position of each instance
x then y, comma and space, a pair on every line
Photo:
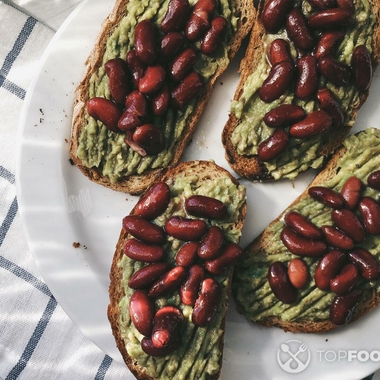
59, 207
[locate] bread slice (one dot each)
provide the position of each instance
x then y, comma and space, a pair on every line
358, 156
245, 128
200, 354
105, 158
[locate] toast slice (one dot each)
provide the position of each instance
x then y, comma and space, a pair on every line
358, 156
245, 129
103, 155
200, 349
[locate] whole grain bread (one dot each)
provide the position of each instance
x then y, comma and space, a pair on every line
201, 175
249, 165
358, 156
135, 183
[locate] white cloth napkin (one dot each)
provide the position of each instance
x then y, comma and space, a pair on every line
37, 338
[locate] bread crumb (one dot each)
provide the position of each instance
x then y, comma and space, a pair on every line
76, 245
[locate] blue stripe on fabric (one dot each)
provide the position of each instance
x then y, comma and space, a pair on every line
104, 366
33, 341
6, 174
7, 222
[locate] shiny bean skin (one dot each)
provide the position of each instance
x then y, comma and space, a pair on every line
168, 282
230, 253
144, 230
307, 77
199, 20
338, 73
149, 348
139, 251
323, 4
274, 13
362, 69
328, 103
213, 35
345, 280
176, 16
342, 307
279, 51
171, 45
328, 42
280, 283
118, 79
370, 212
152, 80
187, 254
211, 243
348, 5
145, 42
190, 288
150, 138
300, 245
182, 64
135, 112
337, 239
186, 90
298, 30
185, 229
106, 111
161, 101
145, 276
351, 191
205, 207
136, 67
284, 115
298, 273
331, 19
314, 124
273, 146
348, 222
328, 267
366, 263
373, 180
327, 196
207, 302
277, 82
141, 310
302, 225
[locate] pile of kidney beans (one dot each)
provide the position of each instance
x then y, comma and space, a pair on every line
316, 40
158, 73
204, 254
343, 263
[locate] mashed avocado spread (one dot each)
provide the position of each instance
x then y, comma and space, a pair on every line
106, 150
200, 352
250, 286
250, 110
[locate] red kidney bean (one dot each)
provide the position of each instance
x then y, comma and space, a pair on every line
185, 229
146, 42
328, 267
328, 103
176, 16
187, 254
135, 113
190, 288
205, 207
361, 64
152, 80
118, 79
348, 5
166, 325
342, 307
106, 111
328, 197
274, 13
366, 263
136, 67
169, 281
300, 245
298, 273
351, 191
141, 310
149, 348
161, 100
207, 302
154, 202
315, 123
284, 115
182, 64
298, 30
280, 283
277, 82
302, 225
149, 137
133, 145
273, 146
370, 212
373, 180
139, 251
348, 222
211, 243
323, 4
345, 280
145, 276
230, 253
337, 239
331, 19
144, 230
186, 90
328, 42
279, 51
199, 20
338, 73
307, 77
171, 45
213, 35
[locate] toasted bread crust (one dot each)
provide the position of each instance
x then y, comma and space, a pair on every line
136, 184
250, 166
